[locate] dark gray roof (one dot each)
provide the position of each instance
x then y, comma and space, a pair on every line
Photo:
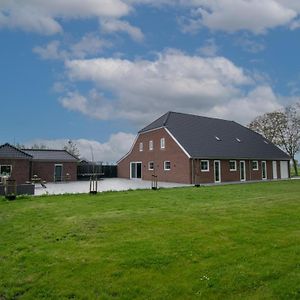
204, 137
10, 152
51, 155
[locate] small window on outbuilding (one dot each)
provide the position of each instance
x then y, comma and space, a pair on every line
255, 165
232, 165
204, 166
5, 170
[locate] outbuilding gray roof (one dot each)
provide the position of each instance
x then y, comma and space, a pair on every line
204, 137
8, 151
51, 155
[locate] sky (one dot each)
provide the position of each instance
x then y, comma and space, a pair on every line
97, 71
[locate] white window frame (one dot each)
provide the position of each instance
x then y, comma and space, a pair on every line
6, 166
235, 168
207, 161
165, 163
151, 145
162, 143
149, 168
257, 166
141, 147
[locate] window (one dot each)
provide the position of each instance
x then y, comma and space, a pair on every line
5, 170
217, 138
204, 165
254, 165
167, 165
239, 140
162, 143
232, 165
150, 145
141, 147
150, 165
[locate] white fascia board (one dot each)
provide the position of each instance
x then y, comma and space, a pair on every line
129, 150
176, 141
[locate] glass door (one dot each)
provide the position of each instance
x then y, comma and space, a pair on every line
242, 170
135, 170
217, 170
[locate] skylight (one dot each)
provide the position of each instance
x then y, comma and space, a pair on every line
217, 138
238, 140
266, 142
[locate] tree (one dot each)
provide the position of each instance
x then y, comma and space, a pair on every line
71, 147
282, 128
39, 146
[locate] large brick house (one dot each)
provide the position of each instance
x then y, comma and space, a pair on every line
192, 149
48, 165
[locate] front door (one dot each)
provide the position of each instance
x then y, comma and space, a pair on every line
58, 172
217, 170
135, 170
242, 170
274, 165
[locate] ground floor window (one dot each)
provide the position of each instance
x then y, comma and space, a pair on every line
151, 166
254, 165
167, 165
5, 170
232, 165
204, 165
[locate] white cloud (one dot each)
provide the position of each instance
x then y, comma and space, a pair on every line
117, 145
44, 16
87, 46
256, 16
144, 89
258, 101
113, 25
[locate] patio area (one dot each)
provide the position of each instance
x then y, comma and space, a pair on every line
109, 184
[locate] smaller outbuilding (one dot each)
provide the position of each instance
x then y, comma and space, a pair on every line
23, 165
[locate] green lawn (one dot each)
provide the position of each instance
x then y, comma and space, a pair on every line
222, 242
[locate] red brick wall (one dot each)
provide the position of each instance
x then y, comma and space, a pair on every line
180, 163
20, 169
45, 170
227, 175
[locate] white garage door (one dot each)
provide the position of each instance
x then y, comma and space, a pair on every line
284, 170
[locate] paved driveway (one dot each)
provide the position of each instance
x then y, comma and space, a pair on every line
109, 184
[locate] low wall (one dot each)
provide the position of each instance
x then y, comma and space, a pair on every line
22, 189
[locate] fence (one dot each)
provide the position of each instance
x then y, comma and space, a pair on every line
86, 170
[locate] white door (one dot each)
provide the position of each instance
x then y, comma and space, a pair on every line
274, 165
284, 170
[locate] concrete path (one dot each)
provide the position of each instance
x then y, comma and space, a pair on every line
108, 184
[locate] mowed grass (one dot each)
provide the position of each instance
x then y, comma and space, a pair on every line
222, 242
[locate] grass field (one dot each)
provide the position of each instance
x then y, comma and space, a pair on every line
223, 242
